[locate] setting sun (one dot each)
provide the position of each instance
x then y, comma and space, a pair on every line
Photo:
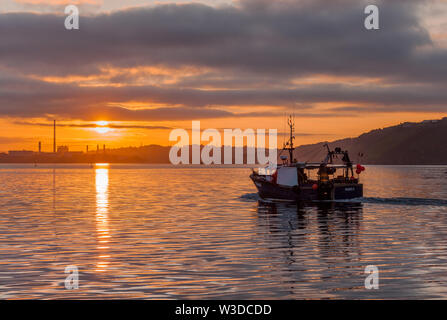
102, 127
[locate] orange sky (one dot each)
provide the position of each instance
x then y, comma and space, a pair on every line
318, 129
147, 76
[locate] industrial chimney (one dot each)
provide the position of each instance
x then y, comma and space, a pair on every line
54, 136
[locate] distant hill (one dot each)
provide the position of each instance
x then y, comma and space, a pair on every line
409, 143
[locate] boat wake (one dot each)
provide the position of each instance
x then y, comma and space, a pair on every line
373, 200
250, 197
405, 201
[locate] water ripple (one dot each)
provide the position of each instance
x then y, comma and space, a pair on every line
155, 232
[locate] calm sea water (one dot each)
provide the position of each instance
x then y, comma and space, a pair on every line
157, 232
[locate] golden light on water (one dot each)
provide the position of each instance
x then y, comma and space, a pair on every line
102, 214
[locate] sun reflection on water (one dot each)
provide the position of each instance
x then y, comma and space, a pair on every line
102, 216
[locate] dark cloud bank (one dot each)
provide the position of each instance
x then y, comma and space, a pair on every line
263, 45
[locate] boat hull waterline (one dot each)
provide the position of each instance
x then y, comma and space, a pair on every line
336, 191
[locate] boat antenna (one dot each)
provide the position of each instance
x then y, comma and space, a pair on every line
291, 123
284, 130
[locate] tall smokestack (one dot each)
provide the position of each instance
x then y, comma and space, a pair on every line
54, 136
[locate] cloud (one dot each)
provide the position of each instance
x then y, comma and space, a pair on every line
59, 2
24, 97
251, 53
289, 40
91, 125
54, 5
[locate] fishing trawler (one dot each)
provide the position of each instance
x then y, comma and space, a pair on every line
304, 181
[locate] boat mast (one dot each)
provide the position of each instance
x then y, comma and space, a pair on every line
291, 123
